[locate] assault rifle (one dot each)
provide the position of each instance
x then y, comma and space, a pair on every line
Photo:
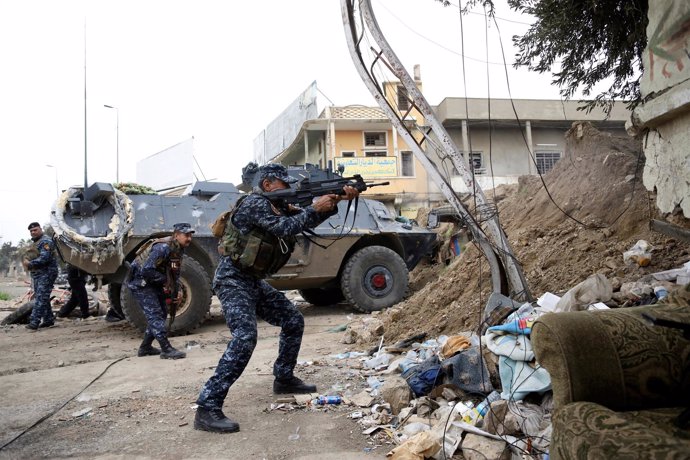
170, 293
306, 190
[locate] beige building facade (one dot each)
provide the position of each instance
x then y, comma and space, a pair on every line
512, 138
507, 139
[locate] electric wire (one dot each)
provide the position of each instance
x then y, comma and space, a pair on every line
50, 414
372, 68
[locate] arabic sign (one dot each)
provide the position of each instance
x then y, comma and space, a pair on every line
369, 167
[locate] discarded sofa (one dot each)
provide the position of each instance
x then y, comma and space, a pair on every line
619, 381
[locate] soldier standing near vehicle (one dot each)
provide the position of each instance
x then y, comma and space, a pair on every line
258, 240
156, 285
44, 271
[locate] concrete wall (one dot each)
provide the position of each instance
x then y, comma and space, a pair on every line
665, 117
457, 108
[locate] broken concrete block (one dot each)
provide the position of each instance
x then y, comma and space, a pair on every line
396, 392
500, 420
476, 447
363, 399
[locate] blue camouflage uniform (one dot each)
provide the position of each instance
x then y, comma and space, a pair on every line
147, 284
44, 271
244, 297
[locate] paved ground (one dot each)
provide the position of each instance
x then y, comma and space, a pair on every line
144, 407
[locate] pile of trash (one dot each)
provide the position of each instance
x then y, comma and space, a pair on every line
480, 393
475, 388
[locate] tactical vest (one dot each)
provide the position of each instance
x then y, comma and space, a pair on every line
258, 253
175, 260
161, 267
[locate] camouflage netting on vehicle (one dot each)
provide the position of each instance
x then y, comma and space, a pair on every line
101, 248
131, 188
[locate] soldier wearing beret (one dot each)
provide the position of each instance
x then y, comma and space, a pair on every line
258, 240
44, 271
155, 283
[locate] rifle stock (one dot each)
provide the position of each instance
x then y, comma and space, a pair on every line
307, 190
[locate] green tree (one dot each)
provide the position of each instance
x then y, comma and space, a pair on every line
583, 43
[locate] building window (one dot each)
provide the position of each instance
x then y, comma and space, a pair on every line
348, 154
375, 139
403, 100
477, 163
546, 161
406, 164
375, 154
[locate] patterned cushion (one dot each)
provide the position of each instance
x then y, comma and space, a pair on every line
615, 357
618, 382
585, 430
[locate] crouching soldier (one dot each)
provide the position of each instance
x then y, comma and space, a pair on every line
259, 239
155, 284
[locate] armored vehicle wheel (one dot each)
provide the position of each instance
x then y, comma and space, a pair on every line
95, 306
374, 278
322, 296
20, 315
195, 305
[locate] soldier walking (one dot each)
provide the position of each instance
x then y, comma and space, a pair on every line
156, 284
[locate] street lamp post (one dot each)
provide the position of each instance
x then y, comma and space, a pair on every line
57, 189
117, 141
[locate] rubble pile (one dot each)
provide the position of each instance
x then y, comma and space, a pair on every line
598, 182
487, 396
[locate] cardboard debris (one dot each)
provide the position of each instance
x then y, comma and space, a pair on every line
418, 447
305, 398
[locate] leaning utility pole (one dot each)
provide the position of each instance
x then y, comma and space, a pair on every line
506, 273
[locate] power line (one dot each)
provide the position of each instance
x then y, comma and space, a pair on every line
461, 54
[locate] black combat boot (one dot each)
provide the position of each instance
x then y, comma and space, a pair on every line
214, 420
168, 352
146, 349
292, 385
113, 316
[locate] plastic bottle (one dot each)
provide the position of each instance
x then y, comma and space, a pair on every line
660, 292
322, 400
464, 407
477, 413
483, 406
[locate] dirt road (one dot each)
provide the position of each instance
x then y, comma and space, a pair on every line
78, 390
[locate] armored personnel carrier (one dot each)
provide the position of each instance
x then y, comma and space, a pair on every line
361, 257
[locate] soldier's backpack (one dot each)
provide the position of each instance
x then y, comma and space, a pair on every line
218, 227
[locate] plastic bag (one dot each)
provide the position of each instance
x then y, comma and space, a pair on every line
640, 253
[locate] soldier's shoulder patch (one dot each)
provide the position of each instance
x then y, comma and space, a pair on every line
46, 246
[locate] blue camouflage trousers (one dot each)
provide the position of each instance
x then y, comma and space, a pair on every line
43, 285
152, 302
243, 299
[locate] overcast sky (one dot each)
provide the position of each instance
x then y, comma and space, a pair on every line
216, 70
